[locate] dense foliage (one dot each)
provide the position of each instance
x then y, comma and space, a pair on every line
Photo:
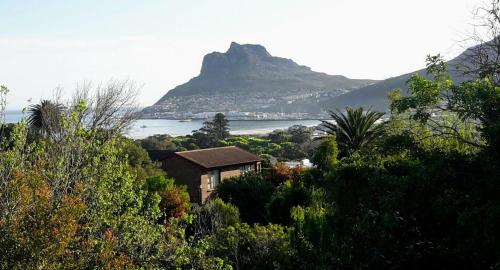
249, 193
422, 196
85, 199
420, 191
293, 143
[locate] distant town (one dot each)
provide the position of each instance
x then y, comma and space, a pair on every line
235, 115
249, 107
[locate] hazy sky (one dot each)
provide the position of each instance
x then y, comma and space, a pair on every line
160, 44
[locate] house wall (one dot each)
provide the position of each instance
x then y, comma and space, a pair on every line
225, 173
228, 172
196, 178
206, 192
185, 173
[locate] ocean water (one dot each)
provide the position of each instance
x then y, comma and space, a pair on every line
13, 116
147, 127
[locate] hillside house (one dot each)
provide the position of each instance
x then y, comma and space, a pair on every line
202, 170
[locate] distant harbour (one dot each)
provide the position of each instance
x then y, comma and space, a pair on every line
146, 127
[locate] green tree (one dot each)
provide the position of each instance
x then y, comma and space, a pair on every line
250, 193
447, 109
139, 161
300, 134
325, 156
219, 126
213, 216
313, 234
255, 145
254, 247
78, 186
174, 200
354, 130
292, 151
212, 131
278, 136
286, 196
158, 142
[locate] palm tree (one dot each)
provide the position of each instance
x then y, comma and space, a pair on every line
45, 118
354, 130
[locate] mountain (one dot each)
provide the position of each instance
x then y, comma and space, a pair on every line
250, 68
247, 78
375, 96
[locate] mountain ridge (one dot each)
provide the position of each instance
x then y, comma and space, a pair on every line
249, 70
375, 96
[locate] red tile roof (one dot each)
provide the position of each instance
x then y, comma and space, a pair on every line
219, 156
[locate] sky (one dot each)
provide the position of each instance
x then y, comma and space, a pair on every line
160, 44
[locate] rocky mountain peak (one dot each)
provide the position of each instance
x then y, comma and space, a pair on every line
247, 72
237, 50
236, 57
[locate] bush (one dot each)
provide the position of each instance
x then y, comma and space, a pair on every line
214, 215
281, 173
287, 195
77, 202
250, 193
325, 156
292, 151
254, 247
174, 200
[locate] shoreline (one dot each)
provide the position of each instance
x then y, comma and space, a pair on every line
252, 133
258, 128
205, 119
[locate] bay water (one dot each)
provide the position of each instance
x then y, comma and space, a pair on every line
143, 128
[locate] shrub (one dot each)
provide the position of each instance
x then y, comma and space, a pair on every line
250, 193
254, 247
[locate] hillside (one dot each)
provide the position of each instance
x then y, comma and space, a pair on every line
375, 96
248, 78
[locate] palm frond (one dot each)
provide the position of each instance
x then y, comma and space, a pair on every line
354, 129
45, 118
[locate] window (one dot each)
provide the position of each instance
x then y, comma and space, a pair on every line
213, 179
247, 168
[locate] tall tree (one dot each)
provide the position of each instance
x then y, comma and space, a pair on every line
218, 127
212, 132
355, 129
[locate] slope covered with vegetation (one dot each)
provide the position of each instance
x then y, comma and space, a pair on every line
418, 191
